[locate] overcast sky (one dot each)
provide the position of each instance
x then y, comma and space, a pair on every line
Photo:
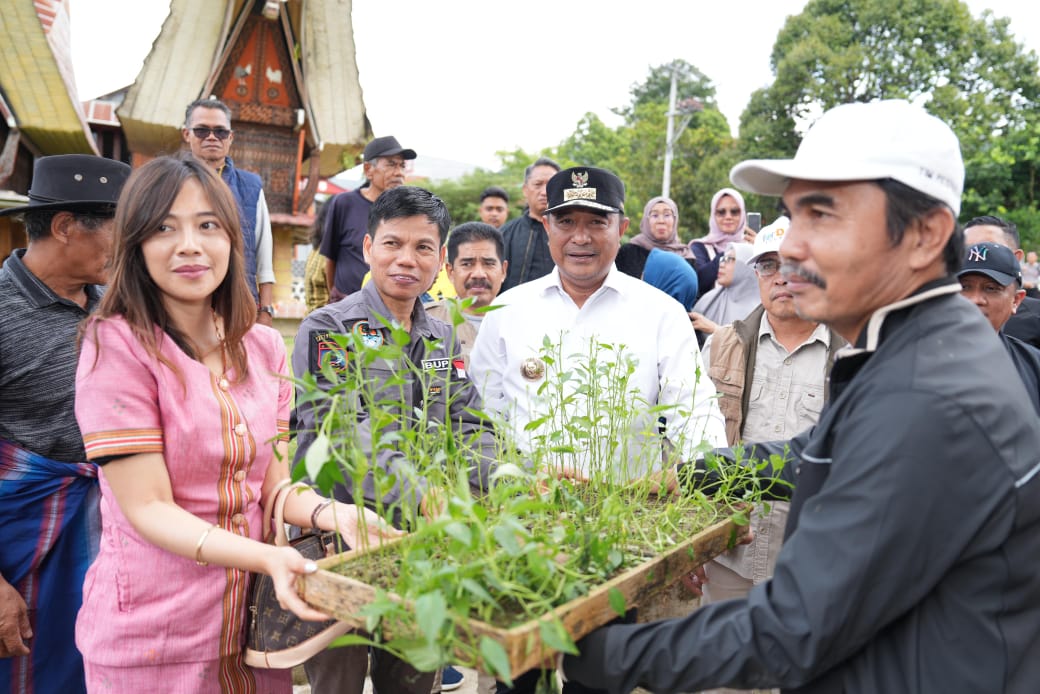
462, 79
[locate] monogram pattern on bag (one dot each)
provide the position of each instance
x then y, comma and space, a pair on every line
270, 628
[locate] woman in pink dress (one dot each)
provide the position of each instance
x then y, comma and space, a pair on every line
182, 400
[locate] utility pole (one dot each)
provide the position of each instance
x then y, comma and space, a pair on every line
686, 107
666, 182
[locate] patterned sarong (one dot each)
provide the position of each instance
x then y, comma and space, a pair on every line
49, 532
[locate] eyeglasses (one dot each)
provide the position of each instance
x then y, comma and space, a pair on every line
662, 215
203, 132
727, 211
394, 164
767, 268
726, 260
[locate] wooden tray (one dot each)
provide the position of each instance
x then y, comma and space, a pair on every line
342, 596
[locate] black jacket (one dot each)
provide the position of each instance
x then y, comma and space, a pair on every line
526, 249
1026, 359
1024, 324
912, 558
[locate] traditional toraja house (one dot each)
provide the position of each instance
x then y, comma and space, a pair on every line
40, 113
288, 72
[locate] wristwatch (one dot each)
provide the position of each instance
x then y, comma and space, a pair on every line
266, 309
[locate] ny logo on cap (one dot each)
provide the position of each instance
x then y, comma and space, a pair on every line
977, 254
579, 179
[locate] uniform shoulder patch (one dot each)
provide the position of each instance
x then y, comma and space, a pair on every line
370, 336
324, 349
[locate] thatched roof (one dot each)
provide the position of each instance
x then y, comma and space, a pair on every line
172, 76
190, 52
330, 67
36, 76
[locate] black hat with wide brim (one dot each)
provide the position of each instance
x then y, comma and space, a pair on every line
74, 183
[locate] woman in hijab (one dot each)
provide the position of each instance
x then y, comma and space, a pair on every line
672, 275
727, 224
659, 228
734, 296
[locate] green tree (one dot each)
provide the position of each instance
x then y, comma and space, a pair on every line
462, 196
655, 89
593, 143
635, 148
969, 72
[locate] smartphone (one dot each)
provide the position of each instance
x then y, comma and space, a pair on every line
754, 220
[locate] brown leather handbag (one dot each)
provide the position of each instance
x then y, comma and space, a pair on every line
277, 638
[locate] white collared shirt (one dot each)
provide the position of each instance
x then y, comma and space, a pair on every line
653, 329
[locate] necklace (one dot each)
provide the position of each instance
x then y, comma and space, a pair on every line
222, 381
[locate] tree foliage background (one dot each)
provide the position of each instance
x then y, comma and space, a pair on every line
968, 71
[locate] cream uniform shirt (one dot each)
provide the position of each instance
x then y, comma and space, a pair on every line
786, 398
540, 333
787, 388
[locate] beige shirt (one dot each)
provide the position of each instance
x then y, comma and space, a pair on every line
786, 388
465, 332
786, 399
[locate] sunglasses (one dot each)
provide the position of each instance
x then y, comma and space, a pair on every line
202, 132
731, 211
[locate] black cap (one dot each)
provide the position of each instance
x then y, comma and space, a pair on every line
586, 186
75, 183
387, 147
994, 261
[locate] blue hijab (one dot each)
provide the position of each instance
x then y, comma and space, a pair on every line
670, 273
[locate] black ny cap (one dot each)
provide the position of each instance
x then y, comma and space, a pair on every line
586, 186
994, 261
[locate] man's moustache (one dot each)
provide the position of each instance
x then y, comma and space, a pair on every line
789, 269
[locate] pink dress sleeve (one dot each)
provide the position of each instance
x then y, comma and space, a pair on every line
117, 403
285, 389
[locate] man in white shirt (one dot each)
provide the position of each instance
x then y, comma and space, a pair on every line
560, 323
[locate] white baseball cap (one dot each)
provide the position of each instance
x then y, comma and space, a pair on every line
867, 142
769, 238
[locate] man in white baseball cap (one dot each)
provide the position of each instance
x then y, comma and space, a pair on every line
770, 369
911, 557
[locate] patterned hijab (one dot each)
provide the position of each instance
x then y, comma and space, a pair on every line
645, 239
716, 237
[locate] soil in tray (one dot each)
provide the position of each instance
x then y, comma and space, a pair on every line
553, 573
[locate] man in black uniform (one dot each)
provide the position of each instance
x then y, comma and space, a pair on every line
526, 241
404, 247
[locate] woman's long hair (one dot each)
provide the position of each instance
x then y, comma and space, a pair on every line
145, 202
